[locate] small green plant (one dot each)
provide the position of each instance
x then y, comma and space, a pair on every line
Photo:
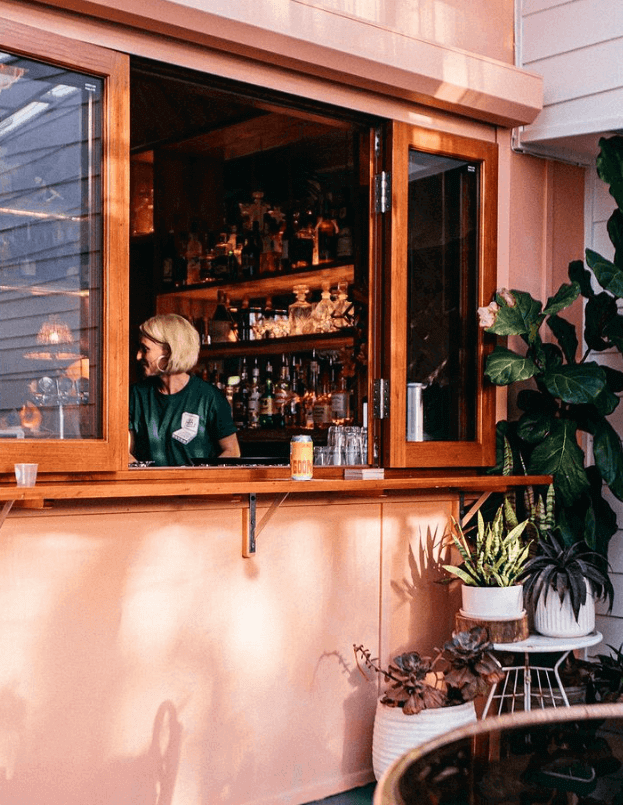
498, 555
606, 678
464, 669
560, 569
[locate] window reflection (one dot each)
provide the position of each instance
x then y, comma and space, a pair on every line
50, 251
442, 282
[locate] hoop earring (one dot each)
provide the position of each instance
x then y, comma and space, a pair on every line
160, 369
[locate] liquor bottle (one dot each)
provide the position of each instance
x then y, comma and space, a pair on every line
311, 393
247, 256
241, 399
290, 413
221, 327
282, 394
269, 318
244, 320
340, 402
180, 272
267, 400
287, 238
253, 405
322, 403
169, 257
194, 254
326, 234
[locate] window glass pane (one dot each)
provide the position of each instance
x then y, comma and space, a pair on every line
50, 251
442, 282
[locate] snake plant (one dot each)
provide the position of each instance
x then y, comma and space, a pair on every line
497, 555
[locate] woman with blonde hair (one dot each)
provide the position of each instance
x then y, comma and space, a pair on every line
175, 416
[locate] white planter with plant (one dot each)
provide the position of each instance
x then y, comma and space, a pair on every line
561, 585
428, 697
491, 566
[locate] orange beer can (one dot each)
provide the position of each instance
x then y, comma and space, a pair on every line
301, 458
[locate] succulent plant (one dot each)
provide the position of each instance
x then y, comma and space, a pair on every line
563, 569
498, 555
467, 669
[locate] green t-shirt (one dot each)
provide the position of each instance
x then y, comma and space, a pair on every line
170, 429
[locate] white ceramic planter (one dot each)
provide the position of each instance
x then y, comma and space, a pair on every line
395, 733
556, 619
492, 603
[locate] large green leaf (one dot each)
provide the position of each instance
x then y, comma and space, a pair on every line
599, 311
535, 426
613, 331
606, 402
576, 383
564, 296
608, 455
608, 275
565, 335
610, 166
559, 455
614, 378
522, 318
578, 273
505, 366
615, 231
533, 400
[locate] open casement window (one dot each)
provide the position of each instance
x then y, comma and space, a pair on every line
63, 252
443, 262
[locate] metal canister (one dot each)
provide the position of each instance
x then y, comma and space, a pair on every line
301, 458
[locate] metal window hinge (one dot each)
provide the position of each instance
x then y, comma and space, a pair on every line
381, 399
382, 191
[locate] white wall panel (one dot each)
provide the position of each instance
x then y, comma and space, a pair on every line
576, 73
601, 21
534, 6
612, 630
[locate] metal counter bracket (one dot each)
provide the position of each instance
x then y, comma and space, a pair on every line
5, 511
250, 530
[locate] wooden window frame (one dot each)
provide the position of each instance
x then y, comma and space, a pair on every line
108, 453
396, 451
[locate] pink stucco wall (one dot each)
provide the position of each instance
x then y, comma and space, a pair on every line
145, 661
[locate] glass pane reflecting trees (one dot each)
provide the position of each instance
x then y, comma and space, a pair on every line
50, 251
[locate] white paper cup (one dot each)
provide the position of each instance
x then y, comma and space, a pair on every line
26, 474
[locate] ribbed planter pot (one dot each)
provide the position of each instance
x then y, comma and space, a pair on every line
556, 619
395, 733
492, 603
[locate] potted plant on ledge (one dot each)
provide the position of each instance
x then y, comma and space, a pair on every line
561, 585
427, 697
492, 564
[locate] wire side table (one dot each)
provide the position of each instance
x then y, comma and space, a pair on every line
524, 682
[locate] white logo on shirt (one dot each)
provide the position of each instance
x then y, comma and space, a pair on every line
189, 429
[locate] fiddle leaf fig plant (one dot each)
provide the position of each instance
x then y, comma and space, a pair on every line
569, 393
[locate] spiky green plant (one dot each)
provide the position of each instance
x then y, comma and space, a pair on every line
607, 676
560, 569
497, 556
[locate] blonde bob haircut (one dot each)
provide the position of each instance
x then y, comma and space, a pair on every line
179, 339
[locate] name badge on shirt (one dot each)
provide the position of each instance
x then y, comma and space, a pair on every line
189, 429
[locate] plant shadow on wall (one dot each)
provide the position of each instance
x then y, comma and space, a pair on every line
147, 779
570, 395
422, 592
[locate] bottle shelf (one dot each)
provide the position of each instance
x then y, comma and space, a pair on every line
276, 346
269, 284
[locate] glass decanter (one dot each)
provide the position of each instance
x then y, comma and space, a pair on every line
323, 323
343, 308
300, 312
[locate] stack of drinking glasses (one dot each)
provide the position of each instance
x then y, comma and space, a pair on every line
347, 445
